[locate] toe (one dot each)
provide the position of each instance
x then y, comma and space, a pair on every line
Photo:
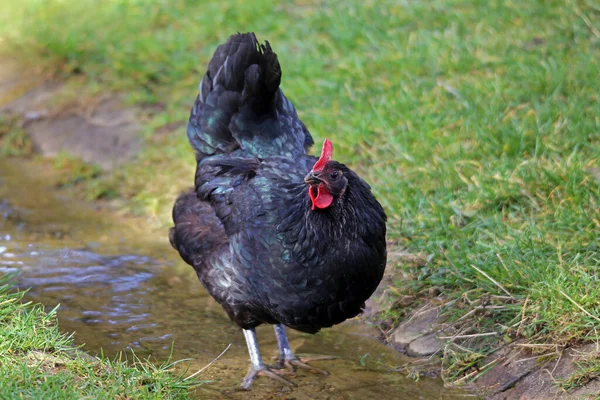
273, 375
266, 372
297, 363
317, 358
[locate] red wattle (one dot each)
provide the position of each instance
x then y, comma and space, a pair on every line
323, 199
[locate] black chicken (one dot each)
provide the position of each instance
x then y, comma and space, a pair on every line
275, 235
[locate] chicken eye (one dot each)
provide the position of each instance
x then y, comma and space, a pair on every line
334, 175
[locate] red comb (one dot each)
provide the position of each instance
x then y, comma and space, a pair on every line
325, 156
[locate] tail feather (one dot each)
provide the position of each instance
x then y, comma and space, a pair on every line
240, 104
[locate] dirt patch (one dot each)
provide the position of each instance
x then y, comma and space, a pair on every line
98, 129
523, 376
513, 371
417, 336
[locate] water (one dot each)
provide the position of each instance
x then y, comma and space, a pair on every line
122, 287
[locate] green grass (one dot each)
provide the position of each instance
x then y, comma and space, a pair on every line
476, 122
37, 361
13, 140
589, 370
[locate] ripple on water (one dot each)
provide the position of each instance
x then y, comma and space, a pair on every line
90, 287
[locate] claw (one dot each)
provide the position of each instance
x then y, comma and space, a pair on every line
281, 369
266, 372
294, 363
317, 358
287, 359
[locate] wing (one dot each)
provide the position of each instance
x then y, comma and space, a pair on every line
197, 233
246, 192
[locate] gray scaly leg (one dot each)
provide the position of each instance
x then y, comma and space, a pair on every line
257, 367
288, 359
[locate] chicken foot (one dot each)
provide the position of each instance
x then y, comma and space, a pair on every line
289, 360
257, 367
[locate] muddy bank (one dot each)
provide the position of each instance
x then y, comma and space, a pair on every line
515, 370
58, 117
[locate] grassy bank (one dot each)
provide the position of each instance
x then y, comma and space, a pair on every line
39, 362
476, 123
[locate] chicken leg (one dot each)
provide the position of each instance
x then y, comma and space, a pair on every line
257, 367
288, 359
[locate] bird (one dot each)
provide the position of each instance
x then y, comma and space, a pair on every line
275, 235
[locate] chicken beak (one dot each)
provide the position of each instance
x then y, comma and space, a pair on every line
312, 178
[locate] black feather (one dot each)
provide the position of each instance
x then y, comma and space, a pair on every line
247, 228
240, 104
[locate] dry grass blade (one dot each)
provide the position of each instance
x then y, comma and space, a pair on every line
538, 357
580, 307
493, 281
478, 371
536, 345
209, 364
475, 335
520, 323
456, 270
585, 19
